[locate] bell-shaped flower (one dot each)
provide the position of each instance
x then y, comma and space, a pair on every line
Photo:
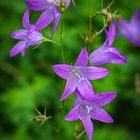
131, 30
106, 53
28, 37
86, 110
52, 10
78, 76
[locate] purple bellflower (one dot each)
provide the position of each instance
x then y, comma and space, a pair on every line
106, 53
131, 30
29, 36
52, 10
78, 76
86, 110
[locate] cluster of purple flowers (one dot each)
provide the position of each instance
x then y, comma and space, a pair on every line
87, 104
30, 36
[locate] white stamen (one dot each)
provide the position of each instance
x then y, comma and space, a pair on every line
79, 77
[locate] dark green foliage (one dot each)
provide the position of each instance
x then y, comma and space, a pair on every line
29, 82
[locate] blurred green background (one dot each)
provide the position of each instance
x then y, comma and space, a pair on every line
29, 82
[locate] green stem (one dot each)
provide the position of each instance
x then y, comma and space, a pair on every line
61, 39
102, 6
51, 41
62, 49
98, 33
90, 16
79, 130
90, 30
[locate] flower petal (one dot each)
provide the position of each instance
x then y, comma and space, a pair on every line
88, 126
62, 70
45, 19
85, 89
125, 29
111, 34
56, 21
79, 96
109, 40
73, 115
69, 88
111, 55
25, 21
19, 47
77, 102
118, 59
93, 73
82, 58
67, 3
102, 59
23, 52
135, 21
37, 5
104, 98
131, 30
34, 38
101, 115
100, 50
19, 34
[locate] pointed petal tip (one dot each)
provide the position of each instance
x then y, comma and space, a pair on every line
84, 50
27, 11
125, 59
25, 19
112, 25
62, 99
113, 95
110, 120
82, 59
122, 60
11, 55
54, 67
65, 118
12, 35
106, 72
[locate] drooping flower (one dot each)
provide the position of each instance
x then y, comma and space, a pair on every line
28, 37
52, 10
106, 53
78, 76
86, 110
131, 30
